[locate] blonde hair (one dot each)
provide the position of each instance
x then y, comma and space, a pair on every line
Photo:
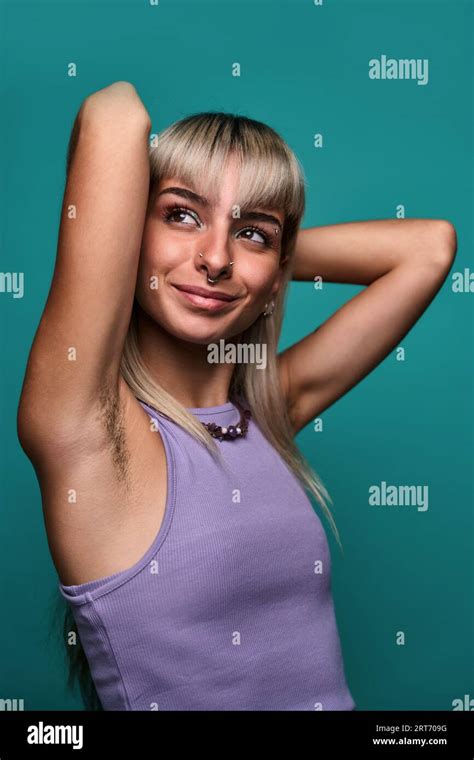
198, 147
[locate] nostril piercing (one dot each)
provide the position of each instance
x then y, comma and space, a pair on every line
231, 263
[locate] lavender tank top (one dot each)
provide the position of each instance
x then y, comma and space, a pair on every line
230, 608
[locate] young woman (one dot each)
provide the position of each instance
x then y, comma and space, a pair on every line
175, 499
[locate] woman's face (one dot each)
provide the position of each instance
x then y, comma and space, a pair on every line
179, 226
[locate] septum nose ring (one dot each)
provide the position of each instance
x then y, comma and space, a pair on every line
212, 280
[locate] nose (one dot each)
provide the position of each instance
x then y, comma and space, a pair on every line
215, 275
214, 262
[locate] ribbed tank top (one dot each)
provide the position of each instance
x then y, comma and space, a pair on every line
231, 606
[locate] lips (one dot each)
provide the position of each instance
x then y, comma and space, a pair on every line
203, 299
205, 293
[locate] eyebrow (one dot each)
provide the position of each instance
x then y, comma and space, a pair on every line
195, 198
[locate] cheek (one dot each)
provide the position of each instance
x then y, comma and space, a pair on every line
157, 258
258, 276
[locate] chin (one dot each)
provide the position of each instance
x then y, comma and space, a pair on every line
198, 329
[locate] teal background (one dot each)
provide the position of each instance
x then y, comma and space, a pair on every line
304, 71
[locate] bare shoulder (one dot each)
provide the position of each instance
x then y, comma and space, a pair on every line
104, 497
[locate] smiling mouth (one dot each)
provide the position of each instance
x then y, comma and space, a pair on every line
206, 293
209, 300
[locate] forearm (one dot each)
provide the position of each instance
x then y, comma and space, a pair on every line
361, 252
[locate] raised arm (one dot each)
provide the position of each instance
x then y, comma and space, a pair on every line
75, 357
404, 263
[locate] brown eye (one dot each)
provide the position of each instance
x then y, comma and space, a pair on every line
176, 211
258, 231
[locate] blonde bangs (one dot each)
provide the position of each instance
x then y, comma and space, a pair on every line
196, 151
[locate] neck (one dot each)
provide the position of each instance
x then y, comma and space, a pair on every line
181, 368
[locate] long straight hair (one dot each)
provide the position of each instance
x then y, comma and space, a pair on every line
196, 150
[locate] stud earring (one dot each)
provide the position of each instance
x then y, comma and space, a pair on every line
269, 312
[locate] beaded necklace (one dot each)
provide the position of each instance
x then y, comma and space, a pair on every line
230, 432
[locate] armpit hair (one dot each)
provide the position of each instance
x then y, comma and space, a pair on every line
112, 416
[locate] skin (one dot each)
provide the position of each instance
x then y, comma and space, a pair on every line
78, 421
